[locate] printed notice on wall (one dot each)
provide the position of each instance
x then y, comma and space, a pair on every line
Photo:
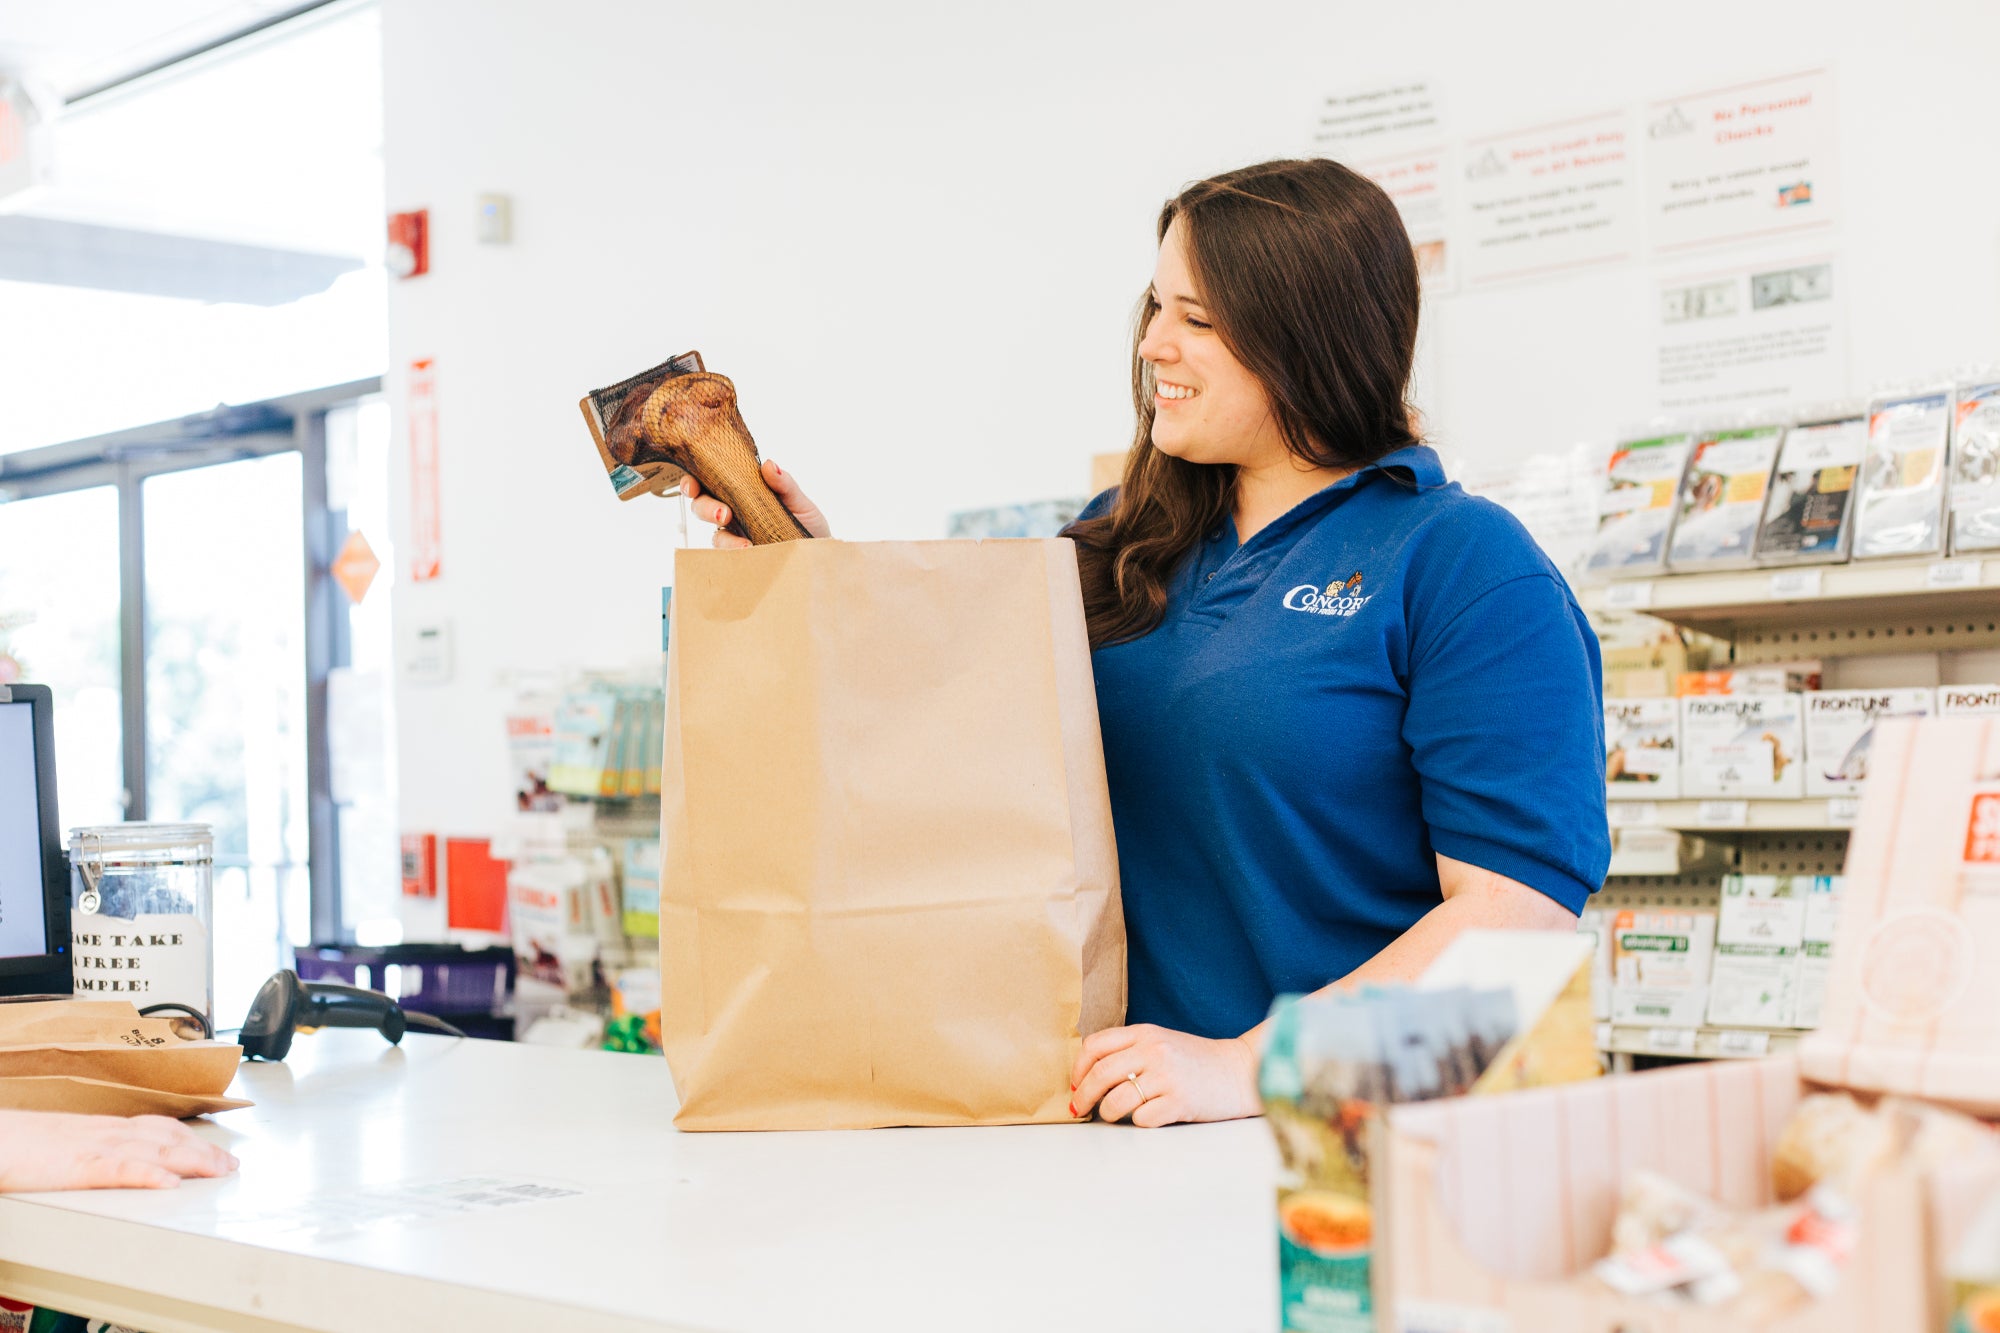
1741, 163
426, 537
1548, 200
1376, 118
1419, 183
1754, 337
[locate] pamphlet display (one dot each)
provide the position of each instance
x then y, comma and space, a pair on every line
1642, 749
1902, 491
1975, 469
1742, 745
1722, 498
1809, 513
1637, 508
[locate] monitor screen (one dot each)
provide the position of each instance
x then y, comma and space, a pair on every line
24, 928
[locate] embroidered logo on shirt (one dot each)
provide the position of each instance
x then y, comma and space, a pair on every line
1336, 599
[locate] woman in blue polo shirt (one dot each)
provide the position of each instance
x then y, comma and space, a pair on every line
1348, 710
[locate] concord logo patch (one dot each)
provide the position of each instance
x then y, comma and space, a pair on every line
1336, 599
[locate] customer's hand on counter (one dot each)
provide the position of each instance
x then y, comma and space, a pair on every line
711, 510
49, 1150
1178, 1077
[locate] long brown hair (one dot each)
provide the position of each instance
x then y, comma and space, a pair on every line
1308, 277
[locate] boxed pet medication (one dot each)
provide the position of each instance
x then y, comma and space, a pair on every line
1815, 961
1840, 730
1967, 700
1660, 963
1642, 749
1742, 746
1776, 678
1758, 933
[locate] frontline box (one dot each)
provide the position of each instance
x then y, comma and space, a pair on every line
1758, 934
1742, 746
1840, 731
1967, 700
1642, 759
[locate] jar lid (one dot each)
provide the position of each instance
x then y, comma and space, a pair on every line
101, 839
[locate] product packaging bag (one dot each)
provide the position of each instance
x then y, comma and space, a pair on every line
889, 892
104, 1057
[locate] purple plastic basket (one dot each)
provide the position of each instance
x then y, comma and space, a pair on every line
444, 980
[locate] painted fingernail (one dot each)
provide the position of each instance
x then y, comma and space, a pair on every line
1072, 1110
775, 468
1072, 1087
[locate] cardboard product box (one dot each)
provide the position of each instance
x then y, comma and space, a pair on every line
1840, 732
1642, 749
1743, 746
1968, 700
1758, 934
1777, 678
1815, 961
1594, 923
1470, 1240
1660, 966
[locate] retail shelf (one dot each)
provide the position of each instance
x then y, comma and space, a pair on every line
1704, 1043
1719, 818
1867, 606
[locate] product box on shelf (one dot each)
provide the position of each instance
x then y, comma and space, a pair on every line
1840, 732
1975, 469
1637, 508
1742, 746
1815, 963
1722, 498
1642, 749
1968, 700
1468, 1241
1660, 964
1759, 929
1594, 924
1774, 678
1903, 479
1809, 514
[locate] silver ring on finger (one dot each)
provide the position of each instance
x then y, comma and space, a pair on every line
1138, 1087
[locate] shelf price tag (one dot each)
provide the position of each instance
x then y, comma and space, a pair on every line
1722, 814
1843, 810
1634, 814
1952, 574
1628, 596
1750, 1044
1790, 585
1670, 1041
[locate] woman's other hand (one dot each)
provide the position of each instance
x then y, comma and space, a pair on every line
711, 510
47, 1150
1179, 1077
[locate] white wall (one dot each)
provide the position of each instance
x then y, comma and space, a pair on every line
913, 233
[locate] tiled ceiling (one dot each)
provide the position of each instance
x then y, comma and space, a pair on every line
74, 46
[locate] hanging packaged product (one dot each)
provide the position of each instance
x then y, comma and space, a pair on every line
1642, 749
1742, 745
1840, 731
1637, 507
1968, 700
1815, 961
1902, 487
1660, 963
1758, 934
1975, 469
1722, 497
1809, 513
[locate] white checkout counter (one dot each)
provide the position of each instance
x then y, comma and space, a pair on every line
454, 1185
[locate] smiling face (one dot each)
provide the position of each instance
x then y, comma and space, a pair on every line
1207, 406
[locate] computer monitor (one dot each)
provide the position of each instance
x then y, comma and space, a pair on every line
34, 874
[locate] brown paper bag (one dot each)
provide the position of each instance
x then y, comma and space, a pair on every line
91, 1096
203, 1068
889, 893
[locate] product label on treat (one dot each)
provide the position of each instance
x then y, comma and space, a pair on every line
145, 959
1324, 1239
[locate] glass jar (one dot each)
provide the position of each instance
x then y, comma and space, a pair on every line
141, 904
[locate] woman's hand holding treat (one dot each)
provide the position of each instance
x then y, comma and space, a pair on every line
711, 510
1155, 1076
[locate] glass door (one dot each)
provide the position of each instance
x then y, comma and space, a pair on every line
225, 675
59, 627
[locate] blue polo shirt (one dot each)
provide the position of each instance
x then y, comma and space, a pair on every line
1391, 670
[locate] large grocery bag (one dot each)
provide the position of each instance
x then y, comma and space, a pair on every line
889, 891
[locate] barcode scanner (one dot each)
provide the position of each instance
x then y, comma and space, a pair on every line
285, 1005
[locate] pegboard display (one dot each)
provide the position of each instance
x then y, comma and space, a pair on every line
1865, 634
